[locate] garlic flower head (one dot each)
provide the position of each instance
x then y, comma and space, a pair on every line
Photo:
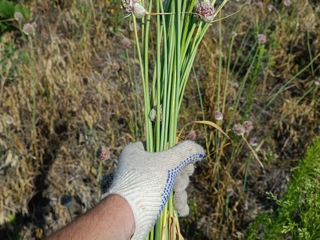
204, 10
135, 7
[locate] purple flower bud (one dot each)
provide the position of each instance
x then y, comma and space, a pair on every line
125, 43
238, 129
247, 125
205, 11
218, 116
103, 153
29, 29
253, 141
270, 7
287, 3
128, 5
18, 16
259, 4
83, 2
139, 11
192, 135
153, 115
135, 7
230, 192
262, 38
9, 120
317, 81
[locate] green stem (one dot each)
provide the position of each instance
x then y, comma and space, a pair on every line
145, 91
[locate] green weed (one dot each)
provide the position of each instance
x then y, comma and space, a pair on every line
297, 215
7, 14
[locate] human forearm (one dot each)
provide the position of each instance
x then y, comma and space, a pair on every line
111, 219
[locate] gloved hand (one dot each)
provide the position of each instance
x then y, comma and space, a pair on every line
146, 180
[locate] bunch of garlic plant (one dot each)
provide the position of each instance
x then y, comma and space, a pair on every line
179, 27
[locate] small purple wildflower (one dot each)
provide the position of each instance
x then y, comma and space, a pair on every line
262, 38
317, 81
103, 153
253, 141
29, 29
192, 135
247, 125
230, 192
287, 3
125, 43
128, 5
238, 129
205, 11
18, 16
218, 116
270, 7
83, 2
259, 4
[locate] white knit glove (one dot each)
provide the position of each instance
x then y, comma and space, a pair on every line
146, 180
180, 197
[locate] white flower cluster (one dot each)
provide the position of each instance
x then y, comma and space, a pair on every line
134, 7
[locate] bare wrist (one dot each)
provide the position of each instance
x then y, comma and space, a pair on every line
124, 214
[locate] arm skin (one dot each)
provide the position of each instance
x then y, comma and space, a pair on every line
110, 219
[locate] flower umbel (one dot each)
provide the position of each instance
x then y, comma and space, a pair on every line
218, 116
125, 43
247, 125
192, 135
253, 141
29, 29
270, 7
205, 11
18, 16
238, 129
153, 115
135, 7
103, 153
287, 3
262, 38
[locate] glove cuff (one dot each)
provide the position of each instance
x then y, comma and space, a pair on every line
143, 202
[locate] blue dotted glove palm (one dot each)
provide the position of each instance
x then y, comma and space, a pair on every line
146, 180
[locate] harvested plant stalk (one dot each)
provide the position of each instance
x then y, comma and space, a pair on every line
178, 36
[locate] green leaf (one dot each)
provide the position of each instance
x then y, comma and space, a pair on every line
11, 218
6, 9
25, 12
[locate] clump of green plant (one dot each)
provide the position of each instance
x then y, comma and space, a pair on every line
179, 27
298, 214
9, 16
